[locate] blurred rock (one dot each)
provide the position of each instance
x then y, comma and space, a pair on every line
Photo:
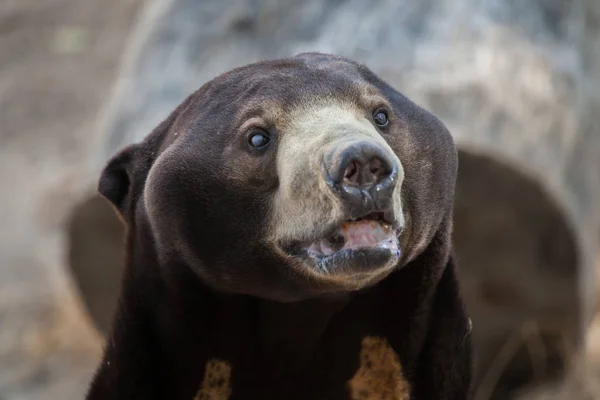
516, 82
507, 77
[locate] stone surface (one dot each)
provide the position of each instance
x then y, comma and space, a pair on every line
507, 77
516, 82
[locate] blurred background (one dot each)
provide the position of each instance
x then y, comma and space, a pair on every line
517, 82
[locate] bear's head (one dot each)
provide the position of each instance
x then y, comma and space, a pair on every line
288, 179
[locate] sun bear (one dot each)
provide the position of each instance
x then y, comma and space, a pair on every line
289, 236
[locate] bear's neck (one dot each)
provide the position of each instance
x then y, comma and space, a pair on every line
168, 312
281, 330
169, 327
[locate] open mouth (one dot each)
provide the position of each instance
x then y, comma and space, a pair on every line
358, 247
369, 232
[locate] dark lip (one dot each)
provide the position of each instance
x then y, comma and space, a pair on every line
352, 261
381, 216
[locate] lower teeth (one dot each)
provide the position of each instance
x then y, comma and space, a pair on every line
386, 228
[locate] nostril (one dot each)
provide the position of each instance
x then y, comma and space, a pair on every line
351, 172
376, 167
361, 165
367, 174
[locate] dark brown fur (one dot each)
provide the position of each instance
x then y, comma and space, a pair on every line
202, 292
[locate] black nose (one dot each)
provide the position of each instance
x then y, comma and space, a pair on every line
362, 173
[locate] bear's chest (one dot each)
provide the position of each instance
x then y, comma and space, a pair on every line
375, 373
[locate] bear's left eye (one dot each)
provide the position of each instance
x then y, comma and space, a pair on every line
259, 139
381, 118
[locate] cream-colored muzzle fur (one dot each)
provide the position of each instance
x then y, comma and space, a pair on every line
304, 204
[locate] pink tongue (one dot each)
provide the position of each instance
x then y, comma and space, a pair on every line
359, 235
362, 234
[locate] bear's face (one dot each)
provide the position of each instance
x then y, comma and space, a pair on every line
296, 178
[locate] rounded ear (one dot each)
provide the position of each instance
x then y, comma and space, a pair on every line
115, 179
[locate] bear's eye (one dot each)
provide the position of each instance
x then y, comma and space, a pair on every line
381, 118
259, 139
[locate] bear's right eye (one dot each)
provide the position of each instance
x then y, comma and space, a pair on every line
259, 139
